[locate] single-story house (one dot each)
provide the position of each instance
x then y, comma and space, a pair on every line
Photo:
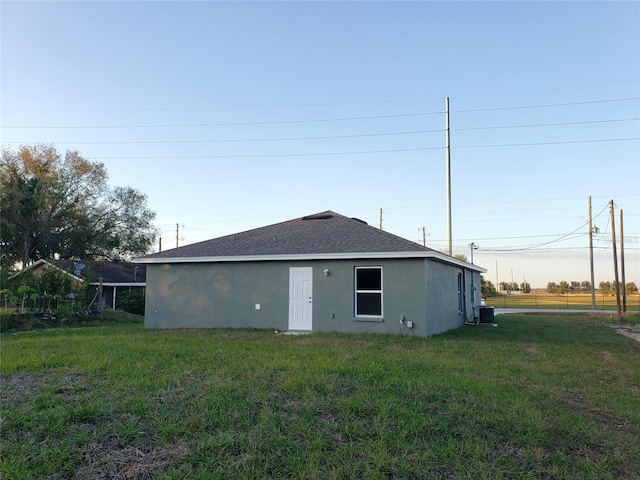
117, 276
322, 272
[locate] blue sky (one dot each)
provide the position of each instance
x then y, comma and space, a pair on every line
235, 115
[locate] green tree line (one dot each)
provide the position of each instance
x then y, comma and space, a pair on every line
564, 287
63, 205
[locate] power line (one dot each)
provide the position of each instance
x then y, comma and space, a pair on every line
500, 127
436, 206
511, 201
484, 211
549, 143
361, 152
317, 104
548, 105
317, 120
520, 237
496, 220
269, 155
230, 107
563, 237
327, 137
530, 247
549, 249
230, 124
244, 140
572, 87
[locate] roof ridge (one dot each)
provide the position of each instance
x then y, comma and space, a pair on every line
326, 232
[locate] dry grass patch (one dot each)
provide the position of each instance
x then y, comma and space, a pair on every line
631, 330
604, 356
108, 458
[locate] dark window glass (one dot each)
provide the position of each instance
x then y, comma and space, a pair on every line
459, 292
369, 304
369, 279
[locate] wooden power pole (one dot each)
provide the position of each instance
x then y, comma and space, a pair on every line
622, 280
593, 287
615, 259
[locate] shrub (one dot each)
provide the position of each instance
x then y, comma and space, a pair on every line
131, 302
63, 313
8, 321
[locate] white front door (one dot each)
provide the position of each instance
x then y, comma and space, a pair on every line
300, 298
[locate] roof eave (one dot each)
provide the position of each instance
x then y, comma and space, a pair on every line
42, 261
432, 254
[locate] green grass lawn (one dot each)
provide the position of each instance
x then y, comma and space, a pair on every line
540, 396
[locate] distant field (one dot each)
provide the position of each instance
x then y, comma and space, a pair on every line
571, 301
539, 396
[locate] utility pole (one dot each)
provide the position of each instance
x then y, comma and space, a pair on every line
593, 287
424, 237
448, 174
615, 258
177, 229
623, 280
473, 247
511, 286
380, 219
497, 284
160, 244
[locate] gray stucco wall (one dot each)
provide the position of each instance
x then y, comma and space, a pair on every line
201, 295
442, 296
403, 293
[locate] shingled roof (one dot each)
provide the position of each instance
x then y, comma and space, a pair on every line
322, 235
112, 272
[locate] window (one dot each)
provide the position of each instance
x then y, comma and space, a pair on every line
461, 294
368, 283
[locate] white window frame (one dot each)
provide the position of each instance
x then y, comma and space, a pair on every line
357, 291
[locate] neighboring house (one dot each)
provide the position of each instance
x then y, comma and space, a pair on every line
323, 272
117, 276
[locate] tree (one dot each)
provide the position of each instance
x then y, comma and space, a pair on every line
23, 291
513, 287
585, 286
486, 286
461, 256
5, 295
631, 287
605, 287
48, 290
53, 205
552, 287
525, 287
563, 287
